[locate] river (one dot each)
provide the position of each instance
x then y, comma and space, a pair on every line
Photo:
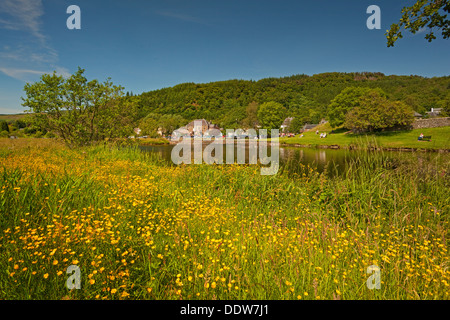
335, 161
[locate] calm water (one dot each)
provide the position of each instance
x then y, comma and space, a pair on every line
335, 160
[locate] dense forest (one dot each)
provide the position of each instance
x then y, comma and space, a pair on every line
229, 104
226, 102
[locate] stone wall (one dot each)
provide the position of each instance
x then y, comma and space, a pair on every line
431, 123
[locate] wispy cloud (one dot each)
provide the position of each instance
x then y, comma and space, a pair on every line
62, 71
5, 24
24, 15
19, 73
180, 16
27, 54
422, 30
24, 74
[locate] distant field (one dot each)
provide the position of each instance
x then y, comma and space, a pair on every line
440, 138
9, 117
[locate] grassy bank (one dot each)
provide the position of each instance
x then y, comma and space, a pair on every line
388, 140
141, 230
152, 141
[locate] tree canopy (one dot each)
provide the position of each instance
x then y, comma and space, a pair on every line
226, 103
375, 112
165, 123
251, 119
4, 126
271, 115
79, 111
230, 104
424, 14
296, 125
348, 99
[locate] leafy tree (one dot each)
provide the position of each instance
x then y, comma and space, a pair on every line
444, 103
271, 115
149, 125
306, 97
233, 118
314, 115
32, 127
78, 111
375, 112
344, 102
251, 121
4, 126
168, 123
423, 14
20, 124
296, 125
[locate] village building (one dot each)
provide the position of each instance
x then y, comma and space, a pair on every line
434, 112
200, 126
286, 123
309, 126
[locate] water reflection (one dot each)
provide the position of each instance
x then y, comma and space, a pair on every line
336, 161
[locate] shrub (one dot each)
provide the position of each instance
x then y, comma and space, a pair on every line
4, 126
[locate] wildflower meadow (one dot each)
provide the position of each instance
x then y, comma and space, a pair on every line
138, 228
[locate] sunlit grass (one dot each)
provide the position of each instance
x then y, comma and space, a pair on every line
141, 230
440, 138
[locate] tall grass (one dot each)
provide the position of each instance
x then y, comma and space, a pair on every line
139, 229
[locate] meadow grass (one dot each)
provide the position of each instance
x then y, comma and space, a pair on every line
140, 229
152, 141
12, 117
440, 138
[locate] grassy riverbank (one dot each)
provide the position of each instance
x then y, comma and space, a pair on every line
152, 141
138, 229
387, 140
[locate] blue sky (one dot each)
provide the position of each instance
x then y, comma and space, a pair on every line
145, 45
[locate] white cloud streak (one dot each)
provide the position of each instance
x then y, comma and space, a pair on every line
23, 73
25, 59
25, 16
19, 73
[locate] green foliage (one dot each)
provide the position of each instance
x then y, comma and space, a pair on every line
375, 112
296, 125
345, 101
4, 126
141, 229
271, 115
149, 125
166, 123
20, 124
306, 97
251, 121
78, 111
171, 122
423, 14
445, 105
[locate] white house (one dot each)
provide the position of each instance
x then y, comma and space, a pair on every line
286, 123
